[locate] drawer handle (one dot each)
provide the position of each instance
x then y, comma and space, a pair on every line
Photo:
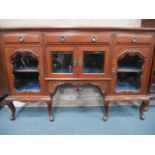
62, 39
21, 39
133, 39
93, 39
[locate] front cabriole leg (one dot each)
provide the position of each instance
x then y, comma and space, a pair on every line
143, 107
106, 110
49, 109
12, 108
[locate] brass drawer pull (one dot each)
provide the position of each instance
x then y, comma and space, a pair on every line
62, 39
93, 39
21, 39
133, 39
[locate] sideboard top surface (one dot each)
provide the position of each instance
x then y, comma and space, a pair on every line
78, 28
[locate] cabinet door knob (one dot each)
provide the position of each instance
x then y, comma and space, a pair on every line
133, 39
21, 39
93, 39
62, 39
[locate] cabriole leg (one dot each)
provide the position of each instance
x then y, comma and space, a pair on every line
143, 108
49, 108
106, 110
12, 108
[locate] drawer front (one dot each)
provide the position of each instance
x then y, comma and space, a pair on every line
22, 38
134, 38
77, 38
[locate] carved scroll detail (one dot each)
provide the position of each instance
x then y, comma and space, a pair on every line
24, 59
131, 52
100, 87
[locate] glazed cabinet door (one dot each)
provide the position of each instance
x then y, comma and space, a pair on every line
93, 61
61, 62
131, 70
25, 70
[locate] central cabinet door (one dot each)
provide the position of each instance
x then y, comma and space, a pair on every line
93, 61
77, 62
62, 62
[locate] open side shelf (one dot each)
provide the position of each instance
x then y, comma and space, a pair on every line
129, 73
25, 71
128, 82
27, 82
24, 60
130, 61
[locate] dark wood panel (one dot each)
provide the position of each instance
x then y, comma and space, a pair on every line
148, 23
3, 78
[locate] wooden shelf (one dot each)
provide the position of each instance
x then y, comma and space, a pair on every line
129, 70
28, 70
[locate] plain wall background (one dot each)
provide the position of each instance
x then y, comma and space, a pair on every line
70, 22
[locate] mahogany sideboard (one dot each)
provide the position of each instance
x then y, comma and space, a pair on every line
35, 61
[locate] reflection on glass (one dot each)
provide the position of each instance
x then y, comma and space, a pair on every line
62, 62
93, 62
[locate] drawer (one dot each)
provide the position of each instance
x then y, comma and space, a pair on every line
77, 38
22, 38
134, 38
